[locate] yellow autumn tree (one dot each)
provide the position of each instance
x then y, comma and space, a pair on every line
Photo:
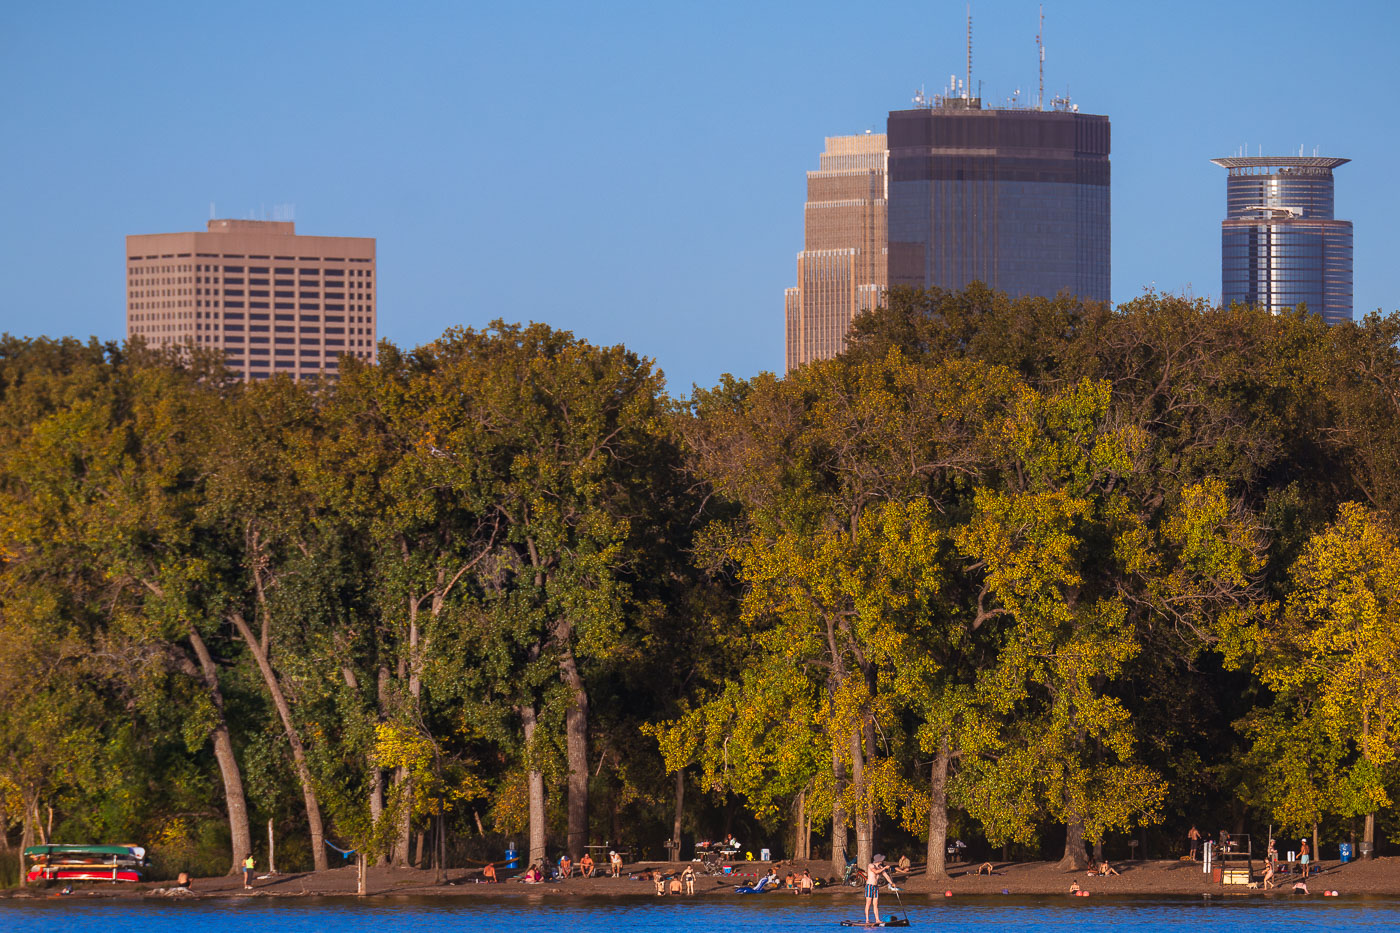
1332, 659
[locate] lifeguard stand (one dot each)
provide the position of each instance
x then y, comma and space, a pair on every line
1234, 858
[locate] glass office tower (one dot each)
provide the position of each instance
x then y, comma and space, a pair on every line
1015, 198
1280, 245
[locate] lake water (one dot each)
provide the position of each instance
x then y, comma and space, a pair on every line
530, 913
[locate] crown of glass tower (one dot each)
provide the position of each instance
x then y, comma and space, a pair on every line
1015, 198
1280, 244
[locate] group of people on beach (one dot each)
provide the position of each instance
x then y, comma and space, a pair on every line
537, 873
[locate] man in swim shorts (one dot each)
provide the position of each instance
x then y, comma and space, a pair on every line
873, 871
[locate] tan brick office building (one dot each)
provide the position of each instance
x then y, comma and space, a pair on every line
269, 300
843, 269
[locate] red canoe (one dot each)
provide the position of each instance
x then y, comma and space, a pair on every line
83, 874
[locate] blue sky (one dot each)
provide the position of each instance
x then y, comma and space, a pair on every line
633, 172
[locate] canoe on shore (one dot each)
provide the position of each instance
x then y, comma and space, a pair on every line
89, 873
84, 849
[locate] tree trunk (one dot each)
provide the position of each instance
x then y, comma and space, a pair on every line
680, 812
418, 854
575, 745
1098, 851
440, 844
838, 812
1317, 849
1076, 857
361, 874
401, 854
535, 787
308, 789
26, 839
863, 814
376, 784
240, 833
799, 850
271, 850
1368, 837
938, 813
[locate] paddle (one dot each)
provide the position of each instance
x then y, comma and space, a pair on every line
900, 901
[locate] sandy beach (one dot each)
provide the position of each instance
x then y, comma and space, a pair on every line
1376, 877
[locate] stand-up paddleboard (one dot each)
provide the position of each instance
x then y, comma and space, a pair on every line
882, 923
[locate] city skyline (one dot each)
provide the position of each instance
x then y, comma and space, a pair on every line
474, 144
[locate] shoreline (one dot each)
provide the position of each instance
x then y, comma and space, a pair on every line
1379, 876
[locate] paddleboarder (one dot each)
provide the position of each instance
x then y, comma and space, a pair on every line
873, 873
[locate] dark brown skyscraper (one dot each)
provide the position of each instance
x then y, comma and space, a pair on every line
1015, 198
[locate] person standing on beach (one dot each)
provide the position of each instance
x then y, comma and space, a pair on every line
1304, 857
1194, 838
248, 872
873, 872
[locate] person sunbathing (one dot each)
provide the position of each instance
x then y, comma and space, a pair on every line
1107, 869
985, 867
769, 880
585, 866
533, 875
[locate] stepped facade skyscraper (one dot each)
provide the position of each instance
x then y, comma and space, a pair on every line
842, 269
1016, 198
1280, 243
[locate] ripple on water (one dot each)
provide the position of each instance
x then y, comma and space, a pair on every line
532, 914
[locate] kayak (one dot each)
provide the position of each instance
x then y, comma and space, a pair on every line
83, 874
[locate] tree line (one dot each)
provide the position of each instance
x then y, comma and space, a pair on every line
1040, 574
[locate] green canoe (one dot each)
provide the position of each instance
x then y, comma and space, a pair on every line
72, 849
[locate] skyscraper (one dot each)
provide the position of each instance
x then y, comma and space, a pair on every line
269, 300
1279, 244
841, 272
1017, 198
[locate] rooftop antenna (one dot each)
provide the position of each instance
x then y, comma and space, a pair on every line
967, 88
1040, 51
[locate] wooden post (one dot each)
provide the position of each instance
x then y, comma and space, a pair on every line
271, 851
361, 871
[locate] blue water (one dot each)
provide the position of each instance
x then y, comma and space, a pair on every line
529, 913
